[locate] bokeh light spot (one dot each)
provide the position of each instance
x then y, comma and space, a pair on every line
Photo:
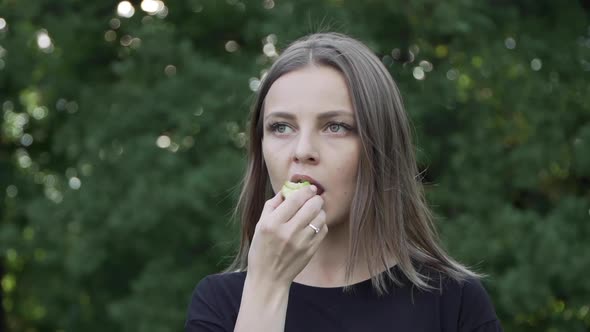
441, 51
170, 70
50, 180
72, 107
40, 112
411, 57
28, 233
8, 283
135, 43
396, 54
162, 13
39, 312
452, 74
11, 191
115, 23
486, 93
254, 84
86, 169
477, 61
464, 81
163, 142
75, 183
44, 41
231, 46
126, 40
54, 195
269, 50
11, 255
269, 4
110, 36
272, 38
510, 43
21, 119
387, 60
418, 73
147, 20
125, 9
25, 161
426, 66
7, 106
149, 6
60, 105
536, 64
26, 140
240, 140
152, 7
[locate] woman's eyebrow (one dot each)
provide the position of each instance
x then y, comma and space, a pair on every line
321, 116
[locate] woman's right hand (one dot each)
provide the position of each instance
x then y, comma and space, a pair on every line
283, 242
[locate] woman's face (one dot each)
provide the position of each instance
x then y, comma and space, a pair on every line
310, 130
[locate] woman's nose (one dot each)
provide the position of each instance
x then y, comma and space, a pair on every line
306, 150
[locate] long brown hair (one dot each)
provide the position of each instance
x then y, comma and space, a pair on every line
389, 217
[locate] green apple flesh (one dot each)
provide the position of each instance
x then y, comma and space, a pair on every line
291, 187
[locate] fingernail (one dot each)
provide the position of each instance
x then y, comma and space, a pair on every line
313, 188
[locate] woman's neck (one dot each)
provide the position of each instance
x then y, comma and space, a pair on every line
327, 268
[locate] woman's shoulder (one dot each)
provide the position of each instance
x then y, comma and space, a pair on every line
216, 300
465, 298
477, 309
221, 284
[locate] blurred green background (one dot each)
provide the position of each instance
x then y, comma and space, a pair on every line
123, 133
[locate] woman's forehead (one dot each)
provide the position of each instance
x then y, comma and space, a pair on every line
310, 90
320, 114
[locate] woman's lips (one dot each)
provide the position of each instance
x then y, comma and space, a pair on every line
303, 177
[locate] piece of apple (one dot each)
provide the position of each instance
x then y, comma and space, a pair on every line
290, 187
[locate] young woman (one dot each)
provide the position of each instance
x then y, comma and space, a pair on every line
356, 250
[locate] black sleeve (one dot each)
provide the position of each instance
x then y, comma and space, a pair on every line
204, 313
477, 311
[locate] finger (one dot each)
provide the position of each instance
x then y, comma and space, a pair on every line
293, 203
316, 239
318, 222
307, 236
272, 204
308, 212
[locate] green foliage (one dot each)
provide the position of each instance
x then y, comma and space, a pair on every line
122, 147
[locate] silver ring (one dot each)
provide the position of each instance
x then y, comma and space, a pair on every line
315, 229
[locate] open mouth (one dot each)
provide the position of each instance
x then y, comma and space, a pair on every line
299, 178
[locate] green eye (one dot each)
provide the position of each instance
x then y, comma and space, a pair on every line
334, 127
278, 127
339, 127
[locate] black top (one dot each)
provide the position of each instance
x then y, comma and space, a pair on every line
464, 307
